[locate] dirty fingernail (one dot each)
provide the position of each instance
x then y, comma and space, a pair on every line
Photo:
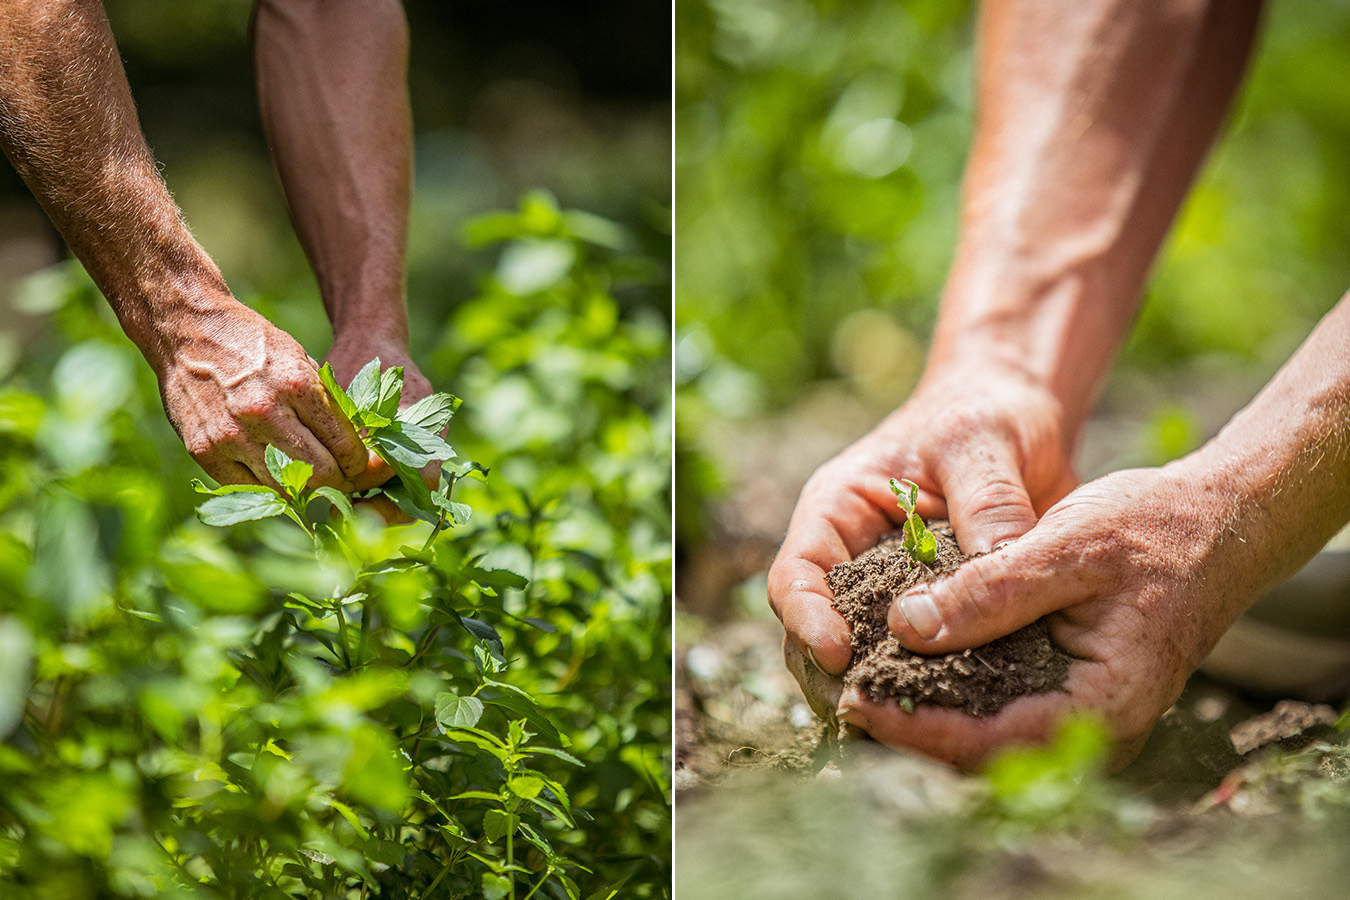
1001, 544
811, 655
922, 615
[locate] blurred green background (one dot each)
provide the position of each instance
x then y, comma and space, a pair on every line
819, 150
576, 104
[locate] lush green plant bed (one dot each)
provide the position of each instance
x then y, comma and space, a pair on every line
473, 705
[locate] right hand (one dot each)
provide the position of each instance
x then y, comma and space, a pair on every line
233, 383
987, 449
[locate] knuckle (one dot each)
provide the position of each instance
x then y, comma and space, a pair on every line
253, 405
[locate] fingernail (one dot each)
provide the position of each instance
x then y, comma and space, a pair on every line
1001, 544
811, 655
922, 615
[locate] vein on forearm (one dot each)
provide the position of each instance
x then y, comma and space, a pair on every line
1093, 118
68, 124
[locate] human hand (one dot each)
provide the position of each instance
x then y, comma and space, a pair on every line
990, 461
1139, 573
233, 383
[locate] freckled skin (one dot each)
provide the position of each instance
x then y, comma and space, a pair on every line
332, 88
1092, 119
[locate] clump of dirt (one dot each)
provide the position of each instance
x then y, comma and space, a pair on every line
980, 681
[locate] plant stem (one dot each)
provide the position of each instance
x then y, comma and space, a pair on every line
342, 633
538, 884
364, 639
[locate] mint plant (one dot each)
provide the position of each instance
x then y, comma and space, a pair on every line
917, 539
407, 439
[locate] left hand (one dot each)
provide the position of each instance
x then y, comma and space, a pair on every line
1140, 575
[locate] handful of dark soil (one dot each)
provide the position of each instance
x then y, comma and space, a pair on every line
980, 681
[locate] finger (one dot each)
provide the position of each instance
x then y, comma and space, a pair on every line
228, 471
288, 434
375, 473
835, 519
820, 690
989, 597
950, 735
386, 509
315, 410
986, 498
801, 599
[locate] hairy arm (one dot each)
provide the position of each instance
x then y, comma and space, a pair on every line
1092, 120
231, 382
332, 84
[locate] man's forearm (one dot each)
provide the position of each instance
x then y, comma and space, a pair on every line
1092, 119
332, 83
68, 124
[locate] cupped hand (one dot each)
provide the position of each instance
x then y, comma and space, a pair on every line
1139, 573
987, 449
233, 383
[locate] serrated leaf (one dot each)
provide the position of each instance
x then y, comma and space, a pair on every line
365, 387
459, 467
336, 391
483, 631
341, 502
498, 823
454, 711
231, 489
412, 445
231, 509
391, 389
560, 754
525, 709
292, 474
432, 412
526, 787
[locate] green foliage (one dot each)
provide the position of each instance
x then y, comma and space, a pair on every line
327, 707
918, 541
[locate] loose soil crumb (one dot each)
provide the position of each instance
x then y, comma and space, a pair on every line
1292, 724
980, 681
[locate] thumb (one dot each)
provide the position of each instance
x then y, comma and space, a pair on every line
986, 598
987, 500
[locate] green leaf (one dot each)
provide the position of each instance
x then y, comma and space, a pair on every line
483, 631
231, 509
291, 474
350, 815
432, 413
495, 887
391, 389
335, 390
340, 501
365, 387
454, 711
525, 708
231, 489
918, 540
526, 787
498, 823
396, 489
560, 754
412, 445
906, 494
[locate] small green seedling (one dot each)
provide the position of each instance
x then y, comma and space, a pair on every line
918, 540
